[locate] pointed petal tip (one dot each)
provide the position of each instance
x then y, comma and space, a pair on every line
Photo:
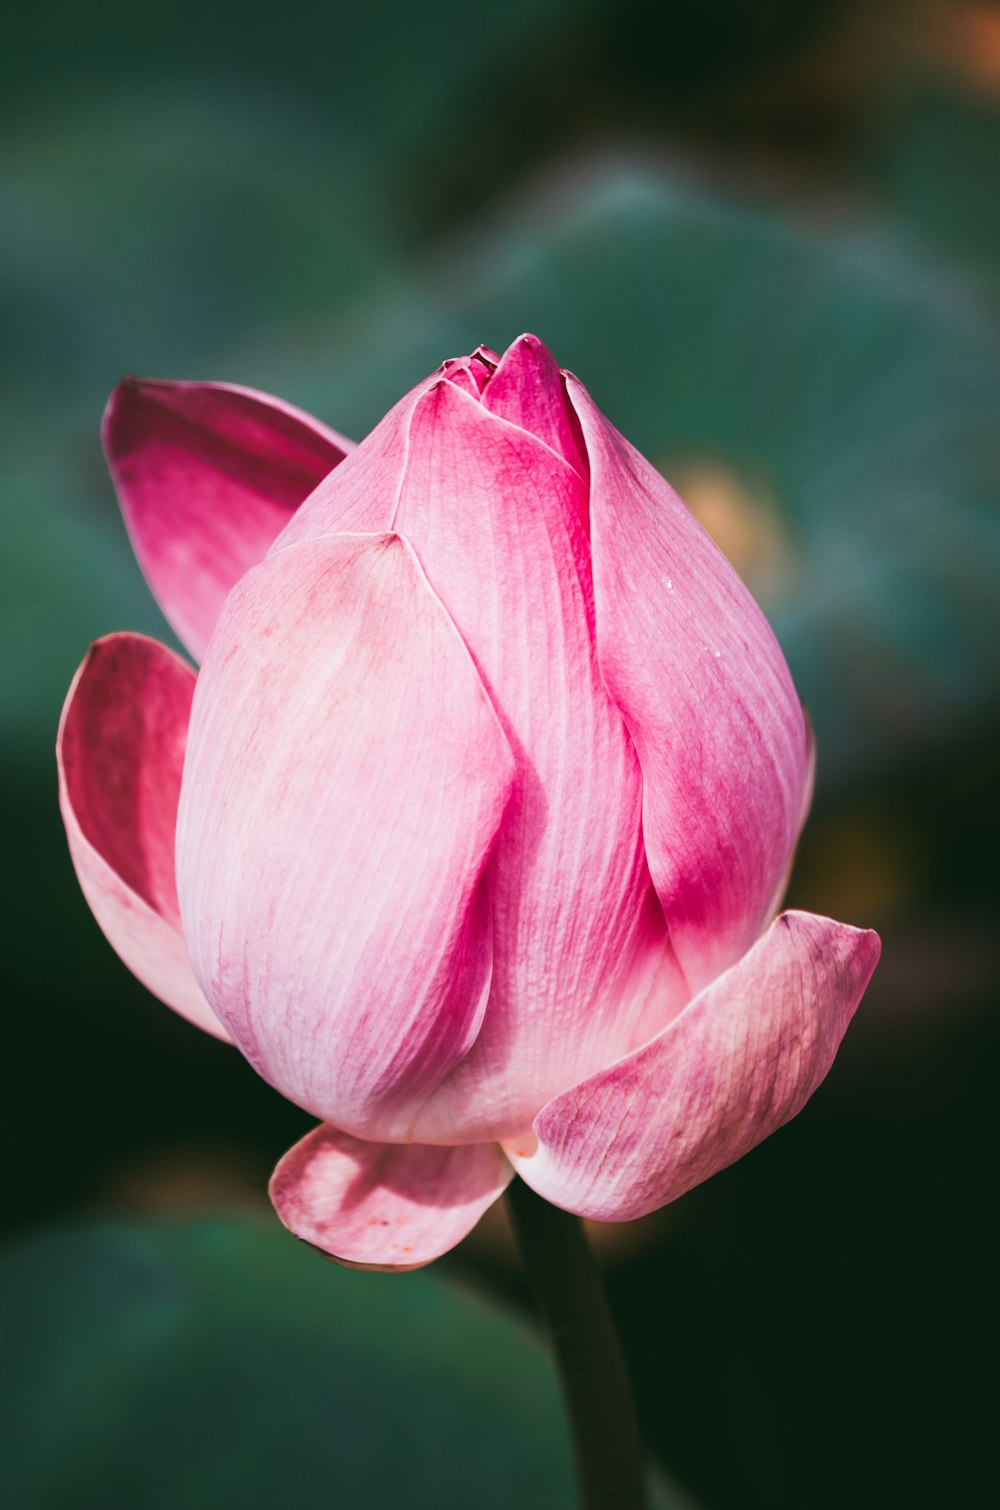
862, 947
124, 399
111, 644
525, 342
527, 390
208, 475
443, 401
118, 394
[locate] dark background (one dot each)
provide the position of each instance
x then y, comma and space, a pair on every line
767, 235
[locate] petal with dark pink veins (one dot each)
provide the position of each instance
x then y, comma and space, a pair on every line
582, 966
741, 1059
207, 475
708, 700
528, 389
120, 753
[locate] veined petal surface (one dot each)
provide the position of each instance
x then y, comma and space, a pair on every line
120, 752
741, 1059
345, 780
207, 475
362, 494
701, 682
382, 1205
528, 390
582, 966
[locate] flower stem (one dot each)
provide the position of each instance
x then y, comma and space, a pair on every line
595, 1382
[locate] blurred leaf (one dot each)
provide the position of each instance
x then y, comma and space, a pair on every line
139, 236
936, 167
835, 392
69, 577
198, 164
221, 1364
838, 377
151, 226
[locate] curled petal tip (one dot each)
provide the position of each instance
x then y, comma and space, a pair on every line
741, 1060
119, 751
207, 475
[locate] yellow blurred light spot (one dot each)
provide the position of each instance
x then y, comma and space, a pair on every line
743, 518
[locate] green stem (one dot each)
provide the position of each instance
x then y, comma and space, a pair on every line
592, 1370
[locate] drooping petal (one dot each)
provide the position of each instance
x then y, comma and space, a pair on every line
528, 390
120, 752
345, 779
384, 1205
708, 700
741, 1059
498, 522
207, 475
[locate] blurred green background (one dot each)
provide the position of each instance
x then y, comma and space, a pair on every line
767, 235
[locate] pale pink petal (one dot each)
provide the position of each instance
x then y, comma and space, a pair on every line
385, 1205
345, 779
741, 1059
120, 752
207, 475
528, 389
708, 700
361, 495
499, 524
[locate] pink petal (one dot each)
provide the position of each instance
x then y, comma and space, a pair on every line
473, 372
360, 496
207, 475
499, 524
742, 1059
383, 1205
345, 779
528, 389
808, 791
708, 700
120, 752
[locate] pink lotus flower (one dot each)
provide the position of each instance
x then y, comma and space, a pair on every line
471, 830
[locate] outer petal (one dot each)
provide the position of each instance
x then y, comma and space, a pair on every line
704, 689
120, 752
207, 475
498, 522
345, 779
740, 1060
362, 494
382, 1205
